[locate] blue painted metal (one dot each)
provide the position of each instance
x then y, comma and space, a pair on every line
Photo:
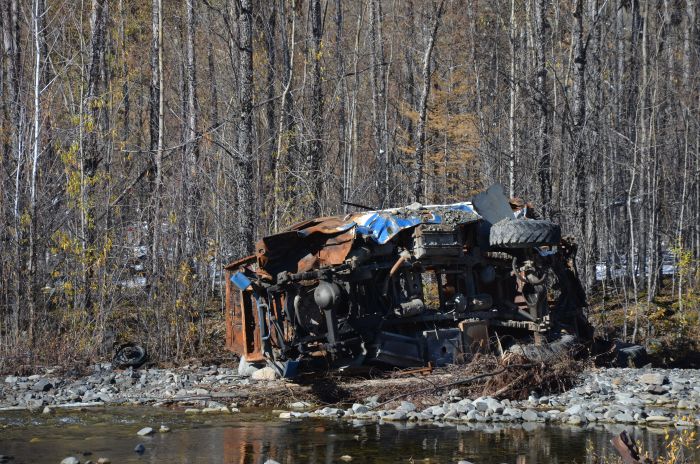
240, 280
382, 226
290, 369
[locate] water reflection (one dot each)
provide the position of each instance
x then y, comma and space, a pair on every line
521, 444
246, 439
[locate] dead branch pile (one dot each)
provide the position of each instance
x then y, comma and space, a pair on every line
508, 377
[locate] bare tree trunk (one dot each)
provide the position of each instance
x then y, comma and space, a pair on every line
418, 187
352, 149
639, 265
577, 134
378, 97
513, 97
92, 156
316, 149
124, 71
156, 127
192, 145
285, 110
36, 152
12, 53
246, 224
689, 34
342, 91
543, 134
269, 34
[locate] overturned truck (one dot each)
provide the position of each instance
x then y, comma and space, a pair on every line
405, 287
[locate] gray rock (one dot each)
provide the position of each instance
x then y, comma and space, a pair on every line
657, 418
42, 385
144, 431
271, 461
494, 405
452, 414
139, 448
530, 416
624, 418
685, 404
575, 409
359, 408
653, 378
70, 460
300, 405
407, 406
245, 368
266, 373
473, 415
656, 389
481, 406
34, 404
515, 413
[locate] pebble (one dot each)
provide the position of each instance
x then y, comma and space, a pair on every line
144, 431
70, 460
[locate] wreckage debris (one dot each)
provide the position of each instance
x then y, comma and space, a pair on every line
406, 287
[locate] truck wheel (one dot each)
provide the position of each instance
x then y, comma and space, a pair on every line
129, 355
524, 233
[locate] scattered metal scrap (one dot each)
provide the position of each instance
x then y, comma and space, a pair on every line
404, 287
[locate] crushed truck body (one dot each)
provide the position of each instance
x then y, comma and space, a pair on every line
405, 287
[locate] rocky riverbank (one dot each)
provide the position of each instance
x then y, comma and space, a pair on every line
649, 397
643, 397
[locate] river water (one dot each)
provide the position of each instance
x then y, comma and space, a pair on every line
255, 436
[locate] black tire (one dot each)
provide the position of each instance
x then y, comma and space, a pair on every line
130, 355
524, 233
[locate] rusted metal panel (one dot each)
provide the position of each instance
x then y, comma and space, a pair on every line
242, 322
